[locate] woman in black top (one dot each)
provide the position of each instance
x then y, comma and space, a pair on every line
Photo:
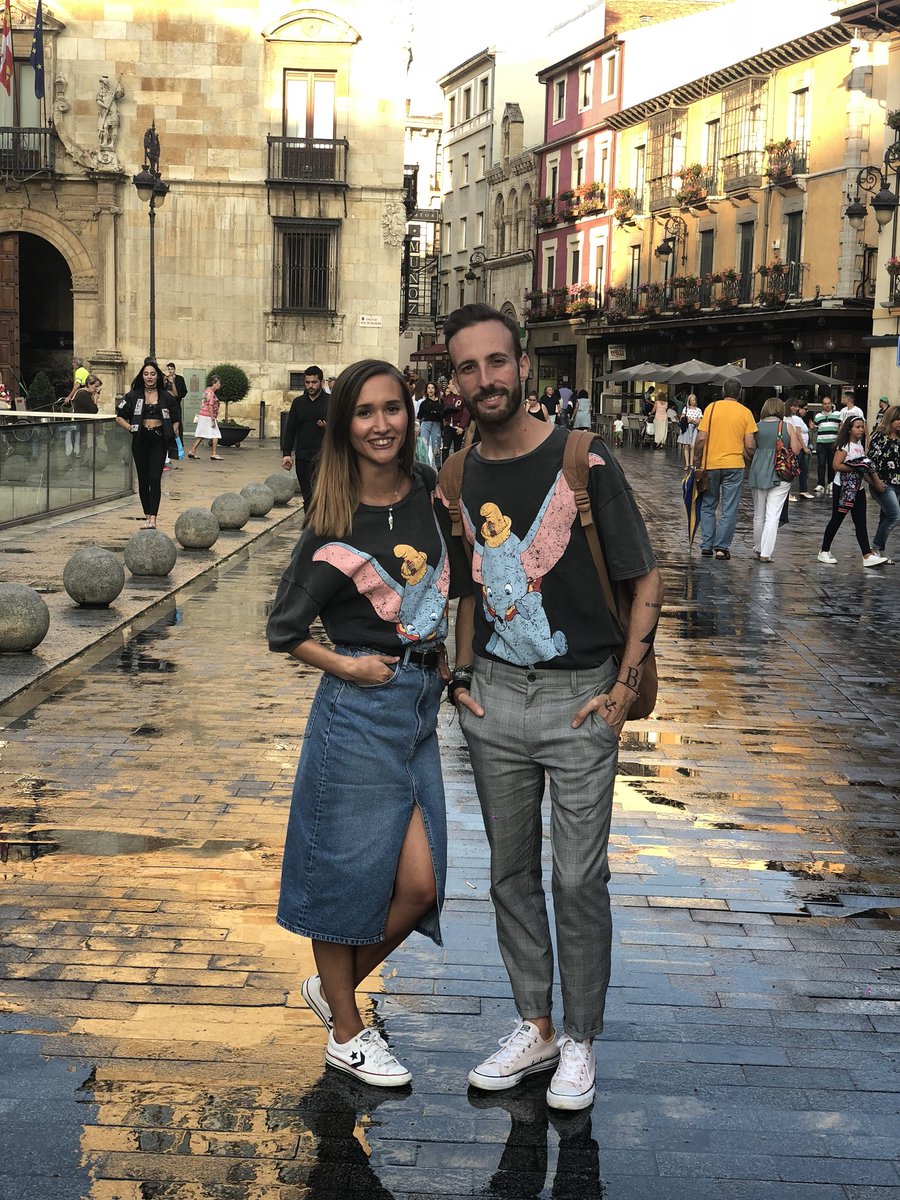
534, 407
145, 412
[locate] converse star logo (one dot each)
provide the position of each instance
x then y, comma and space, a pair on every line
357, 1059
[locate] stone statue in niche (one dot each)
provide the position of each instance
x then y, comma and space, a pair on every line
393, 223
108, 99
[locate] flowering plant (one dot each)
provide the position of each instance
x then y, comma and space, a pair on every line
892, 118
892, 265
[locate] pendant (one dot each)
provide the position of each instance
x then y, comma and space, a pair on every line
391, 517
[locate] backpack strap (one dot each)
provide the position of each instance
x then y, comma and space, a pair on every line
450, 481
576, 468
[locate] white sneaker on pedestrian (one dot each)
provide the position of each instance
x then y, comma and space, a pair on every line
793, 500
874, 560
311, 991
825, 556
819, 489
807, 495
520, 1054
367, 1057
572, 1086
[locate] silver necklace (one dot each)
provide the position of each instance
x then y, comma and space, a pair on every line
394, 500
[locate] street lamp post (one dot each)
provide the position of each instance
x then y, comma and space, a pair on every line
885, 201
476, 261
152, 188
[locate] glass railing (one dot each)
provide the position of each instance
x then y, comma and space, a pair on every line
54, 463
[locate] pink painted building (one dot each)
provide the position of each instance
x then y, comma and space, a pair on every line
572, 210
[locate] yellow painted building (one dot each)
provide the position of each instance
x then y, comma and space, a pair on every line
279, 244
731, 241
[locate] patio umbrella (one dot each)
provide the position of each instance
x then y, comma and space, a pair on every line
783, 375
693, 498
641, 372
692, 371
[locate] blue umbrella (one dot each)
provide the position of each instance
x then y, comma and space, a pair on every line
693, 498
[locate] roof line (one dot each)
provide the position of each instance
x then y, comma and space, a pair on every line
764, 63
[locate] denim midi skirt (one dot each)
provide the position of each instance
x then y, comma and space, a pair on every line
369, 754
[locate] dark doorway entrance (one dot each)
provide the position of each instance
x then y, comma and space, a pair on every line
36, 312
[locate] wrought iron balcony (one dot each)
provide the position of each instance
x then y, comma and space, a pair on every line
307, 161
786, 160
25, 153
742, 171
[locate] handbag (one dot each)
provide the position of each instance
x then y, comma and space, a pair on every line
179, 447
787, 465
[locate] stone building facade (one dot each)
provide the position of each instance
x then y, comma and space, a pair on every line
281, 129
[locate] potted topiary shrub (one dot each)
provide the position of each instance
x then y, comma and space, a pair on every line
235, 386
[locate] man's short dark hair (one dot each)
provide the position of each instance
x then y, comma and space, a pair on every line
317, 371
170, 364
477, 314
731, 390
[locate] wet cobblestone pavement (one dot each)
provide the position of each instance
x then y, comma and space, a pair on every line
153, 1039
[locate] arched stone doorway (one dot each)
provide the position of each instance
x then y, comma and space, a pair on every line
36, 312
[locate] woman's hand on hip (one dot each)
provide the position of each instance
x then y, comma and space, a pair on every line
372, 668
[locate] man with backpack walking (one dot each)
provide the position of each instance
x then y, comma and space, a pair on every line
545, 678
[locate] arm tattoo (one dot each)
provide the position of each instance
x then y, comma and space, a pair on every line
648, 642
631, 678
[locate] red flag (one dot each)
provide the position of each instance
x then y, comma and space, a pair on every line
7, 66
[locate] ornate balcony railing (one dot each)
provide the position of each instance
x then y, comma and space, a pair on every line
25, 153
742, 170
685, 295
787, 159
314, 161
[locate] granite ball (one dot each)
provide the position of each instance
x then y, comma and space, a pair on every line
150, 552
24, 618
197, 529
282, 487
231, 510
260, 498
93, 577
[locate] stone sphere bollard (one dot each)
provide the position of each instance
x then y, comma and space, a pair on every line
93, 577
260, 498
150, 552
24, 618
197, 529
231, 510
282, 487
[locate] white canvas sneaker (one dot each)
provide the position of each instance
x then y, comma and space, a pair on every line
572, 1086
874, 560
520, 1054
826, 556
368, 1057
311, 991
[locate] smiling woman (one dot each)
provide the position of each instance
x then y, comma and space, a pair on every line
365, 855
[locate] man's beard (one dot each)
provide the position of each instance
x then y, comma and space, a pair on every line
496, 416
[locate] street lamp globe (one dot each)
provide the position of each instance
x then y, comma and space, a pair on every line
884, 205
160, 191
856, 214
145, 182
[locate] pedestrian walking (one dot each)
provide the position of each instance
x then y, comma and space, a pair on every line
691, 416
207, 427
581, 413
431, 415
851, 467
796, 414
543, 684
304, 431
828, 426
534, 407
766, 486
724, 440
660, 422
145, 413
884, 451
455, 420
365, 854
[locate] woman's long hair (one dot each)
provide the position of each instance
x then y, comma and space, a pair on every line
137, 384
337, 483
887, 419
843, 437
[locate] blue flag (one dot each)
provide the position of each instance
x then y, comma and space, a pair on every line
36, 58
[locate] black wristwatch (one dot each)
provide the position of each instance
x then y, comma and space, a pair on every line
460, 677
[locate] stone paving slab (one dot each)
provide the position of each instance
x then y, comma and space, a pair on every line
36, 554
752, 1043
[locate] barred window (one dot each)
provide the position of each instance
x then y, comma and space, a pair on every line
305, 261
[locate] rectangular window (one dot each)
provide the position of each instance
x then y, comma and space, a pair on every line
746, 240
482, 161
484, 94
707, 251
575, 264
599, 249
448, 176
21, 103
447, 247
610, 76
586, 87
451, 112
446, 295
309, 104
549, 271
666, 154
800, 115
743, 130
467, 103
462, 293
634, 269
306, 266
639, 179
553, 178
463, 233
601, 165
793, 242
559, 100
577, 168
711, 151
479, 229
464, 171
